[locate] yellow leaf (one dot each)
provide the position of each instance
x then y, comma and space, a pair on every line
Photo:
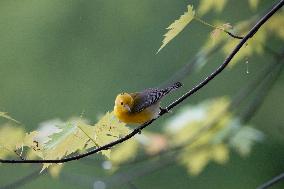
10, 136
253, 4
108, 129
30, 141
177, 26
220, 153
206, 5
69, 140
195, 161
189, 127
253, 46
55, 170
124, 152
275, 25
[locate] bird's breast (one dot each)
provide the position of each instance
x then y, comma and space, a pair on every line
140, 117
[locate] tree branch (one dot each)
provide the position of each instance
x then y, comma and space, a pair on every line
137, 130
271, 182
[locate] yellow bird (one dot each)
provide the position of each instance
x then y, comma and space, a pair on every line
140, 107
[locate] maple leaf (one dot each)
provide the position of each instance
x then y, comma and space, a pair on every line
10, 136
76, 135
177, 26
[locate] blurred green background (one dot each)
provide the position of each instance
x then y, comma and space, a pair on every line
61, 58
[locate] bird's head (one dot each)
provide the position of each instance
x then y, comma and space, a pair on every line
124, 102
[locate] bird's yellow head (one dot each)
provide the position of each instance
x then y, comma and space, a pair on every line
123, 103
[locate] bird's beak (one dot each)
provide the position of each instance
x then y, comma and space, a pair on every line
127, 107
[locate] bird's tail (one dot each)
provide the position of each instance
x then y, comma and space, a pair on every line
173, 87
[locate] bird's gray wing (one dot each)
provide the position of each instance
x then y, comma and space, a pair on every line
146, 98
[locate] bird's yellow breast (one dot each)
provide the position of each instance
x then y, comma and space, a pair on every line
138, 118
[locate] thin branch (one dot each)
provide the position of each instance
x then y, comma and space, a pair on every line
137, 130
232, 35
269, 75
271, 182
264, 82
219, 28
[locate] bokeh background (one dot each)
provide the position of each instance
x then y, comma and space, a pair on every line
60, 59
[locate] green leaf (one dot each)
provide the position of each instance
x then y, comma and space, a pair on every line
177, 26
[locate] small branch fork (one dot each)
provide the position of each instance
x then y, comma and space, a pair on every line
137, 130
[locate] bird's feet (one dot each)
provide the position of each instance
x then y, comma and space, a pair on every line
163, 111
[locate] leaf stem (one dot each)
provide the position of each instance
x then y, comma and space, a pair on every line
217, 27
88, 136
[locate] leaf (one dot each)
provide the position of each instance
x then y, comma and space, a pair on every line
5, 115
206, 5
275, 25
253, 4
177, 26
191, 120
70, 139
253, 46
244, 139
124, 152
10, 136
108, 129
221, 39
55, 170
35, 147
220, 153
215, 34
76, 135
57, 138
195, 159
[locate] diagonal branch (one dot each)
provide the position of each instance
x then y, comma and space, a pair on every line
137, 130
271, 182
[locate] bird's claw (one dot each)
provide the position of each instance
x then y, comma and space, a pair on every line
163, 111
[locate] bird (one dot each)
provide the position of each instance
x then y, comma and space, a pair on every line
141, 107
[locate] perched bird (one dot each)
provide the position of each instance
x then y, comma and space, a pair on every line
140, 107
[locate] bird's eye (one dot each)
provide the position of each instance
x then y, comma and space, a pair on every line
121, 103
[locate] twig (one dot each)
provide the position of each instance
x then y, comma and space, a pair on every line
272, 181
219, 28
264, 81
267, 82
137, 130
